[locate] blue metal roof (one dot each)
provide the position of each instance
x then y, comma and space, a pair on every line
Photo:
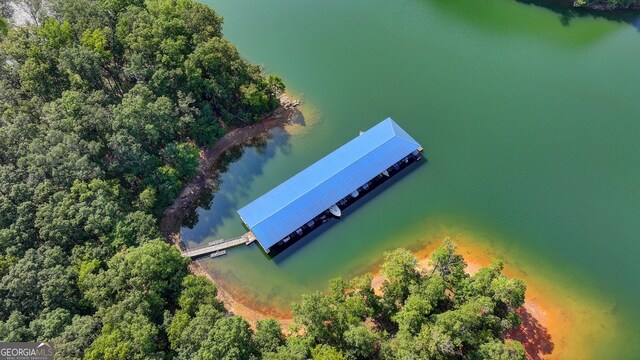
293, 203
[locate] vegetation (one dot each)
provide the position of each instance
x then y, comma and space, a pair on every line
607, 4
441, 314
103, 106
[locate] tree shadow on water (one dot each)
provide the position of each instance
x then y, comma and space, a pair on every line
534, 336
567, 12
230, 183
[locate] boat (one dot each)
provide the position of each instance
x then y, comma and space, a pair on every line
365, 186
218, 253
385, 173
299, 231
335, 210
286, 239
355, 193
311, 223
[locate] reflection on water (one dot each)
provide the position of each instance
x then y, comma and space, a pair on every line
567, 12
217, 207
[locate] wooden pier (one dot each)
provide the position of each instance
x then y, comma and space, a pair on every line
245, 239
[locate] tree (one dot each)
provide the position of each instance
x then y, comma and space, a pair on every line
326, 352
76, 337
496, 350
37, 281
198, 291
320, 318
125, 335
101, 114
199, 309
440, 314
508, 291
15, 328
151, 274
134, 229
360, 342
456, 331
422, 302
87, 210
230, 339
268, 336
401, 346
50, 324
449, 264
167, 180
186, 333
296, 348
399, 270
184, 157
4, 27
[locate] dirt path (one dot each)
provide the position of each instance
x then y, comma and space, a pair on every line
173, 215
210, 157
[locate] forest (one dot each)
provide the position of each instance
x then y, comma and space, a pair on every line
104, 105
443, 313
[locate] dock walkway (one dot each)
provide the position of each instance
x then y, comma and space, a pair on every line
245, 239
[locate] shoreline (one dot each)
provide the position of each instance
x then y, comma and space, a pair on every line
544, 323
556, 323
237, 307
533, 332
210, 156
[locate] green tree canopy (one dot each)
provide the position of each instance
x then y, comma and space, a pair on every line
441, 313
104, 105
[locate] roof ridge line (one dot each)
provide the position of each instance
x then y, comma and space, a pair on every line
325, 180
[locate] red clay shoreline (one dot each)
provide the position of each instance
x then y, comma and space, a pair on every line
210, 157
533, 332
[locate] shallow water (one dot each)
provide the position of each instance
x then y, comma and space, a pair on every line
530, 122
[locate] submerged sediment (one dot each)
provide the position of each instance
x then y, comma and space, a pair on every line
556, 324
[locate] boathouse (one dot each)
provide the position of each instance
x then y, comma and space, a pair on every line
309, 198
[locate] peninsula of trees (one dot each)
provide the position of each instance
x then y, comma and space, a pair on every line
441, 314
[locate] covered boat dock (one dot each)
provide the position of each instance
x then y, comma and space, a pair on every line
308, 199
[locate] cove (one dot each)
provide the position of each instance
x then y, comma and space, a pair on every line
529, 122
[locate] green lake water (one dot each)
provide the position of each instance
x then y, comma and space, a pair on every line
530, 122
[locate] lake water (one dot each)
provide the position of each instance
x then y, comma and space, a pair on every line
530, 121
